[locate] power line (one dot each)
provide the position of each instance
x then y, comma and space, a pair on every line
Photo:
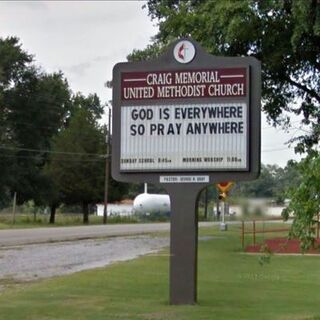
48, 151
103, 156
31, 124
276, 149
273, 127
89, 154
306, 131
58, 160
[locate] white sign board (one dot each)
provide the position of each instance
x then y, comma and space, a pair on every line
184, 137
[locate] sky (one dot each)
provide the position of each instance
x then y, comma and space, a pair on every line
85, 39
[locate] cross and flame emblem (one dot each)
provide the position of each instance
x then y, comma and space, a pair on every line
184, 51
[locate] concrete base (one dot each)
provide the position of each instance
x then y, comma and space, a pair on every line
223, 226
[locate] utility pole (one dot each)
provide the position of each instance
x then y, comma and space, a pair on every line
106, 182
14, 208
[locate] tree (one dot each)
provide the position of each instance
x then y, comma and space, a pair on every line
289, 177
38, 107
305, 201
263, 187
13, 61
77, 163
91, 103
283, 35
273, 182
33, 107
117, 190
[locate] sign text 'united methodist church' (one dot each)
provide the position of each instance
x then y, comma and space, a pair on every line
204, 83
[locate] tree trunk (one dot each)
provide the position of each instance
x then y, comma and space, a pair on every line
53, 208
85, 211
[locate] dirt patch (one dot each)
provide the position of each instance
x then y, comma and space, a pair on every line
282, 246
33, 262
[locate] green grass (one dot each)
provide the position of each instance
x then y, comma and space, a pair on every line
28, 221
231, 285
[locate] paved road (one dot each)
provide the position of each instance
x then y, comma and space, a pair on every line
42, 235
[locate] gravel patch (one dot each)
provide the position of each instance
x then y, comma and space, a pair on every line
38, 261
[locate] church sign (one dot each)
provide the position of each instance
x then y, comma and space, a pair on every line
186, 120
186, 116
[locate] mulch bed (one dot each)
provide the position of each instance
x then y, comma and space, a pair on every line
280, 245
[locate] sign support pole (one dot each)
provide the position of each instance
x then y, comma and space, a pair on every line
183, 244
223, 225
223, 212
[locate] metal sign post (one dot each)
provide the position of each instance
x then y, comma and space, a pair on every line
186, 120
223, 225
183, 244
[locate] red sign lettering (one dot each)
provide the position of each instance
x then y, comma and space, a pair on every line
204, 83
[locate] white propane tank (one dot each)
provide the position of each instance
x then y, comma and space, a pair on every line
147, 203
